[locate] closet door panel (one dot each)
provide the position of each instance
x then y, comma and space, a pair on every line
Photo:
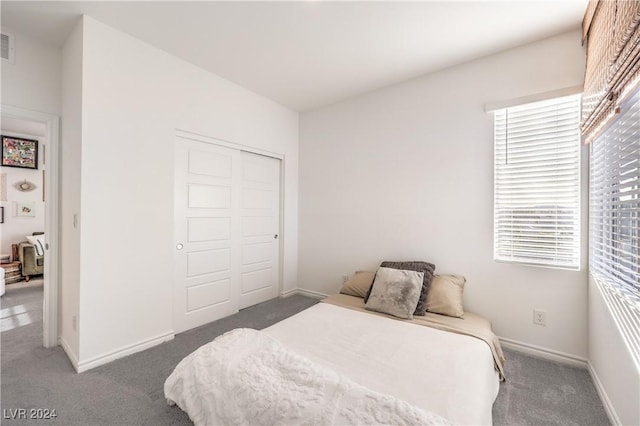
207, 238
260, 220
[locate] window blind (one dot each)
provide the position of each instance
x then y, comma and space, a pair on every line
537, 183
612, 31
614, 216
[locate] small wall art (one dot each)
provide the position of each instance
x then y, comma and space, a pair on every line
25, 186
26, 209
19, 152
1, 214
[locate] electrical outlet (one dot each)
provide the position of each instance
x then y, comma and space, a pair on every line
539, 317
345, 278
74, 323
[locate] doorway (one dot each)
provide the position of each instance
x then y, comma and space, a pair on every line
43, 198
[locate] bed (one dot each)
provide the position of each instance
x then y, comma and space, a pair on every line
431, 369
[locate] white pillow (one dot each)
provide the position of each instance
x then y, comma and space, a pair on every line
38, 243
395, 292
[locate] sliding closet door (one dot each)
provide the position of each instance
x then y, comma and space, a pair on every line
260, 215
227, 216
207, 184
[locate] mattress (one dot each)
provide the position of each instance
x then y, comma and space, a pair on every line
449, 374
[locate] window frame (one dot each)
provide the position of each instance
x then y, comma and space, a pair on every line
575, 238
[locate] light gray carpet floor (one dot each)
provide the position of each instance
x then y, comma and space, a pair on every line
541, 392
21, 304
129, 391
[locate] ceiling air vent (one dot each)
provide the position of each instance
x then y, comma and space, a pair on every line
6, 46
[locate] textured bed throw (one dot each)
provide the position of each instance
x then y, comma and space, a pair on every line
245, 377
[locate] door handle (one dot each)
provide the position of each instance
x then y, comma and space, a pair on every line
179, 247
275, 237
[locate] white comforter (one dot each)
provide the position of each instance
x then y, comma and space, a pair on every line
246, 377
446, 373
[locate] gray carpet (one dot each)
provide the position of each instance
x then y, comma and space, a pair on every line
21, 304
129, 391
541, 392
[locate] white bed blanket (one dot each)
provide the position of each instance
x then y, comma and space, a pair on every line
446, 373
245, 377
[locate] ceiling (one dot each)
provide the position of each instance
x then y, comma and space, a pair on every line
309, 54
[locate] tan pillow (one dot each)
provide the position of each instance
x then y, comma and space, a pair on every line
359, 284
445, 295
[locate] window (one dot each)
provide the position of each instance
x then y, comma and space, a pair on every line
614, 216
537, 183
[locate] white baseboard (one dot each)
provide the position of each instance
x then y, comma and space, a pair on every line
289, 292
122, 352
302, 291
70, 354
541, 352
606, 402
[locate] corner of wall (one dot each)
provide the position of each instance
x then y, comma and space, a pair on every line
70, 149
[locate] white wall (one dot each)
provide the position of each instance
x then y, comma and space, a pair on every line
16, 228
406, 173
617, 375
134, 97
33, 80
69, 196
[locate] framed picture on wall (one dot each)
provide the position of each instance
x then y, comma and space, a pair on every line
19, 152
1, 214
26, 209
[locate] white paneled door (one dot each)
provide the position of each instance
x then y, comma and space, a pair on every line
227, 216
260, 218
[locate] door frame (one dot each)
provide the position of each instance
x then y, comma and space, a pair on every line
227, 144
50, 314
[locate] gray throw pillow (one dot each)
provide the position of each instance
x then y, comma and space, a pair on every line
427, 268
395, 292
